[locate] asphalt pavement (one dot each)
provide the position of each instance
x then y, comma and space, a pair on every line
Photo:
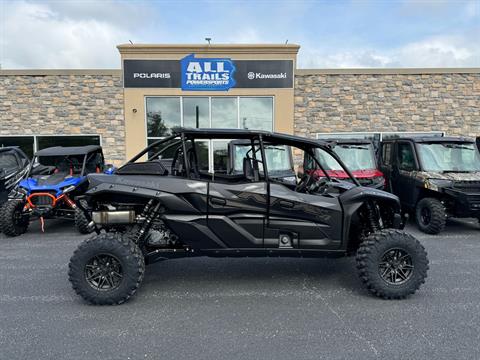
251, 308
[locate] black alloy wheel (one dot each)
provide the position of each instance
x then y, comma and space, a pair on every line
106, 269
396, 266
103, 272
392, 264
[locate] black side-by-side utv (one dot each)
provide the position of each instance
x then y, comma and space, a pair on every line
152, 210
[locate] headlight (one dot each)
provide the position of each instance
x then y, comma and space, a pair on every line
435, 184
68, 189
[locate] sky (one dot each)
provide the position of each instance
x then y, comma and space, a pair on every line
332, 34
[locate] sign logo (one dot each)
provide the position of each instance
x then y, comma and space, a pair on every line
214, 74
151, 75
251, 75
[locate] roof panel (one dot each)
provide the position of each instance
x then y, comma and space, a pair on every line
67, 150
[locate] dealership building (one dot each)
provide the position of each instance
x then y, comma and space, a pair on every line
230, 86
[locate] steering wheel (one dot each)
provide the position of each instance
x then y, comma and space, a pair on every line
318, 184
304, 183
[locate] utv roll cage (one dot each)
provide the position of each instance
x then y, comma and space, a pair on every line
259, 138
86, 151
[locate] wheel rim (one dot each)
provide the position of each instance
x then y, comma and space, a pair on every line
396, 266
103, 272
425, 216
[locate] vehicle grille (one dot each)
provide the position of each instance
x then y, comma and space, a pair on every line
467, 185
42, 200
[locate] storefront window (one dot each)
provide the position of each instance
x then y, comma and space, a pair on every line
26, 143
44, 142
220, 155
201, 147
163, 113
168, 149
190, 105
30, 144
224, 112
229, 112
256, 113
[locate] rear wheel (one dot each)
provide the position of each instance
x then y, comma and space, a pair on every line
106, 269
13, 220
392, 264
82, 223
430, 215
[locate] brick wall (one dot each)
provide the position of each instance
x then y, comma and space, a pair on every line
447, 102
65, 104
47, 102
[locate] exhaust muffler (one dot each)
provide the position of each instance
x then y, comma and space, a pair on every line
113, 217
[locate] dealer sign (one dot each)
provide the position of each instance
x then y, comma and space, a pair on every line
207, 74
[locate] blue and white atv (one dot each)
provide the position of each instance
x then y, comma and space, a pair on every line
57, 175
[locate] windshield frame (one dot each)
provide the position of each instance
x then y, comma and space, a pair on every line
421, 161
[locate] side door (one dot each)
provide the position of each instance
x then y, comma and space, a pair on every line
404, 168
298, 220
386, 157
237, 205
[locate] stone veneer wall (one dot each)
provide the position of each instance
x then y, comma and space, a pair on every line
56, 102
336, 102
65, 102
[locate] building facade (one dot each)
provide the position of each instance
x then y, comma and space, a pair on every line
237, 86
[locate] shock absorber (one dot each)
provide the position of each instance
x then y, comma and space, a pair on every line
372, 217
149, 213
146, 209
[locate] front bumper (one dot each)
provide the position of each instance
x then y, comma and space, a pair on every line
466, 204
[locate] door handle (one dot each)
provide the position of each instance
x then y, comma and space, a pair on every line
218, 201
286, 204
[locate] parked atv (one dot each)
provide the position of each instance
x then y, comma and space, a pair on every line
434, 177
359, 157
147, 212
56, 176
14, 165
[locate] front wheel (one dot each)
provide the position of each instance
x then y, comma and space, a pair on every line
106, 269
430, 215
13, 220
392, 264
82, 223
